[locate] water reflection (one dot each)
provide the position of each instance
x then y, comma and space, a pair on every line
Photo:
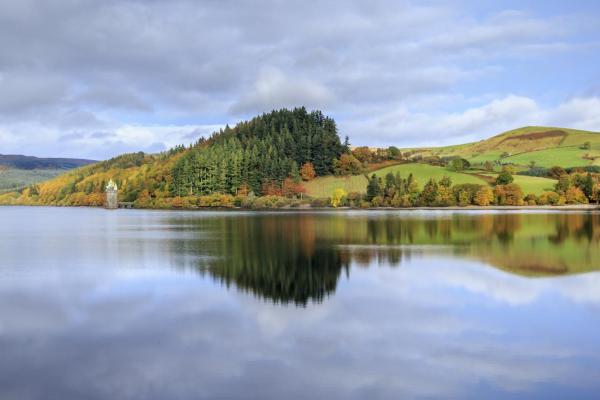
298, 258
134, 305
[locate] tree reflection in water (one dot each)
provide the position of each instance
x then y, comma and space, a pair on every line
298, 257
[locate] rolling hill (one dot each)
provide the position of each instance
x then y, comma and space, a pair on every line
546, 146
18, 171
271, 147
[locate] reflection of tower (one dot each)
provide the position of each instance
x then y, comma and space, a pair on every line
112, 190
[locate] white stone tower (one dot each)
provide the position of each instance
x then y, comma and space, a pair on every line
112, 200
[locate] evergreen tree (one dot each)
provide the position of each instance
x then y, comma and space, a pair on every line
373, 187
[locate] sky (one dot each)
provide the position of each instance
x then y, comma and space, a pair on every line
94, 79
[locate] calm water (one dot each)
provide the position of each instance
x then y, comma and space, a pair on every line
376, 305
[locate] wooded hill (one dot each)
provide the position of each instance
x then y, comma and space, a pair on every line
29, 162
255, 157
275, 158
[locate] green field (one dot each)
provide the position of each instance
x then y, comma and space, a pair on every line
534, 184
530, 184
323, 187
546, 146
564, 156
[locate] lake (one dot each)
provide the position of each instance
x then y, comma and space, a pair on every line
133, 304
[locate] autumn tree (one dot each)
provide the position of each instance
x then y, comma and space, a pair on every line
484, 196
347, 164
307, 172
429, 194
338, 197
575, 195
508, 195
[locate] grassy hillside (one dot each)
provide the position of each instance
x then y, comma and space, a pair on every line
546, 146
258, 156
323, 187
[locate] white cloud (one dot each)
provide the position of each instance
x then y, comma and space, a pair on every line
405, 127
87, 66
273, 90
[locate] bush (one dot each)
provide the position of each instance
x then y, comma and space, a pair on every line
377, 201
270, 202
365, 204
548, 198
354, 199
531, 199
319, 202
216, 200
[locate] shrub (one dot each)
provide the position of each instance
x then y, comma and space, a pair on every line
377, 201
354, 198
531, 199
365, 204
270, 202
216, 200
508, 195
319, 202
548, 198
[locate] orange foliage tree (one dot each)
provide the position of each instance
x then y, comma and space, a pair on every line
307, 172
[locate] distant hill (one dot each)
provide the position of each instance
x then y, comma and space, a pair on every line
258, 156
29, 162
18, 171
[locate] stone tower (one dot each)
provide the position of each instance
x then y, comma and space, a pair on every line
112, 201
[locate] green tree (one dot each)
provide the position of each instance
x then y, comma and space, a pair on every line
504, 178
374, 188
429, 194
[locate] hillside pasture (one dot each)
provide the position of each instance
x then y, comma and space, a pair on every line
572, 156
323, 187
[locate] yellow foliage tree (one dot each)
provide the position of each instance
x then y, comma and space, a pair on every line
484, 196
338, 197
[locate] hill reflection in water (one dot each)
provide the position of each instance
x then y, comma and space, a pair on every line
299, 257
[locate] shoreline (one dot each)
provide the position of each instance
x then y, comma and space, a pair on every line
566, 208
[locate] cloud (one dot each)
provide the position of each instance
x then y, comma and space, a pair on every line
274, 90
91, 66
419, 128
